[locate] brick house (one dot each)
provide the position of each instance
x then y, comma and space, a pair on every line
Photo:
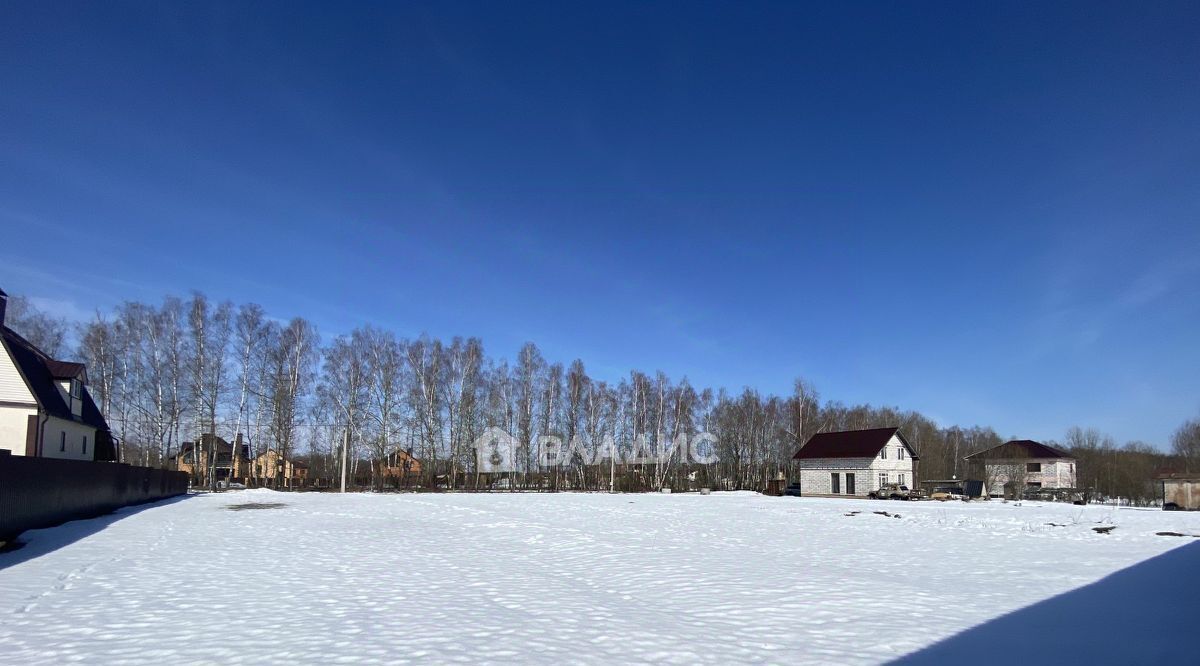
271, 465
196, 458
855, 462
1014, 467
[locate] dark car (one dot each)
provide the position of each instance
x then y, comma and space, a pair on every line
793, 490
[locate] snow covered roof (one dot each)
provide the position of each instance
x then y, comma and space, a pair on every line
1020, 448
850, 444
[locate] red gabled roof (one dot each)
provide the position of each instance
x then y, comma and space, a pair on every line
66, 369
1020, 448
850, 444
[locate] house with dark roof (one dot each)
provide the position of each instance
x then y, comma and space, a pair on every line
400, 465
45, 407
1021, 465
213, 454
855, 462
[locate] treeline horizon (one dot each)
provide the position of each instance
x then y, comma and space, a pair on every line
165, 373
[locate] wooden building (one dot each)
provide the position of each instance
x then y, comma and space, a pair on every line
1180, 491
400, 468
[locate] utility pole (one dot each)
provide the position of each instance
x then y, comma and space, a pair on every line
612, 469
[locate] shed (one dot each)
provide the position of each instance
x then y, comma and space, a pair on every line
1180, 491
969, 488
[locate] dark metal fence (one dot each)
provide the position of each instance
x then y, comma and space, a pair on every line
43, 492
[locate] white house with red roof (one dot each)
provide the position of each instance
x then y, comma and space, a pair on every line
855, 462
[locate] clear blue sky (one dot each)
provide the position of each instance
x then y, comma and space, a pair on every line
989, 212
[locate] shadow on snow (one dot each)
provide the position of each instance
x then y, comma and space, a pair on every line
35, 543
1141, 615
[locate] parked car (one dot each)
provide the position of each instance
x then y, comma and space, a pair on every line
891, 491
792, 490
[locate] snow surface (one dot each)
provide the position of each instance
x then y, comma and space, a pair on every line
565, 578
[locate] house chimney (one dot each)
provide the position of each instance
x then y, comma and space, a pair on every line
3, 306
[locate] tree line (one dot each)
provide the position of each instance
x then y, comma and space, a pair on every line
165, 373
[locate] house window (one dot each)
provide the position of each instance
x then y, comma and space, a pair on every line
835, 483
75, 384
85, 443
849, 484
900, 453
883, 454
1033, 467
1033, 484
62, 442
882, 479
900, 479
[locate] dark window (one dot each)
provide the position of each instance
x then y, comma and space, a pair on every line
62, 442
883, 454
85, 443
900, 453
1033, 467
1033, 484
849, 484
835, 483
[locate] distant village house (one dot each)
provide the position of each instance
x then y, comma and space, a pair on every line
855, 462
401, 466
196, 458
1013, 468
271, 466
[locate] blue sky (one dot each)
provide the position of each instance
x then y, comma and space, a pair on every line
984, 211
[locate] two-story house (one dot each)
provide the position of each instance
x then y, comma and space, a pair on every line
1013, 467
400, 465
45, 407
855, 462
271, 467
213, 454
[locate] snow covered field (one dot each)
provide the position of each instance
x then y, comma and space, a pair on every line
519, 578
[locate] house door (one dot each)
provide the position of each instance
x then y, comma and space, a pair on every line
835, 483
849, 484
